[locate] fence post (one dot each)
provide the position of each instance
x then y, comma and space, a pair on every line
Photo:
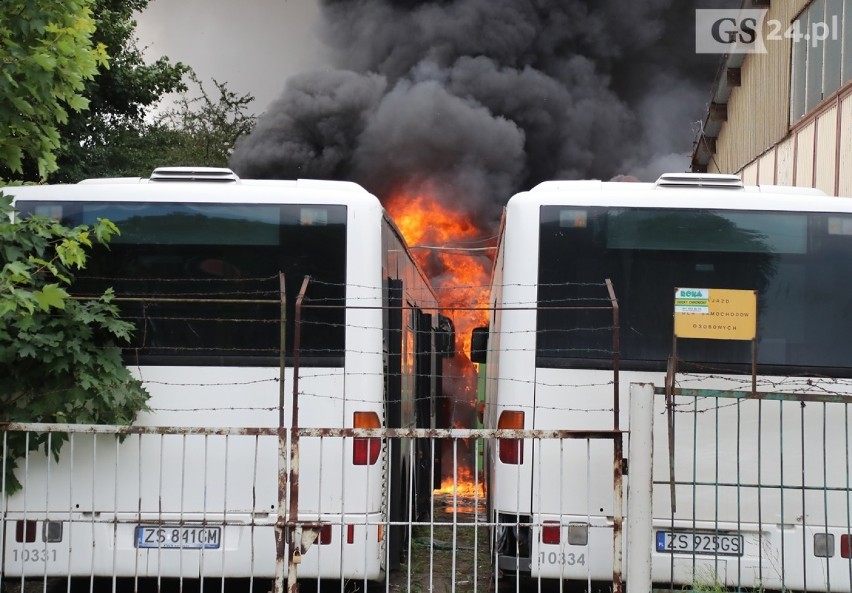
295, 531
280, 525
617, 447
640, 488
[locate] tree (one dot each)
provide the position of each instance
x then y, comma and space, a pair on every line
47, 53
201, 130
60, 359
119, 99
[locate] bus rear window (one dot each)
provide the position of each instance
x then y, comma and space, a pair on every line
796, 262
701, 230
201, 281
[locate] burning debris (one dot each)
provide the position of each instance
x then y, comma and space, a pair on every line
451, 251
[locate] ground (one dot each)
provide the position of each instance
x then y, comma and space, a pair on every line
450, 555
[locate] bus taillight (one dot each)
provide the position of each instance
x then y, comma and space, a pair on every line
551, 532
511, 450
366, 450
25, 531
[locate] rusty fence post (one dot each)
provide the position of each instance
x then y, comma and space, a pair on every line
295, 536
280, 524
618, 448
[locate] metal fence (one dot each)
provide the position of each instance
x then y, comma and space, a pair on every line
747, 490
726, 489
124, 509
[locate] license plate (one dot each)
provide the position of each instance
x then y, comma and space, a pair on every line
178, 536
700, 542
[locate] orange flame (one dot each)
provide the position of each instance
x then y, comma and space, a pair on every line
462, 485
461, 277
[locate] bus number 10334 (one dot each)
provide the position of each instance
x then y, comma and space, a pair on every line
569, 559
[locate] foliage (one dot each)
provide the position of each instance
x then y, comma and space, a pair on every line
203, 130
199, 129
120, 99
706, 580
47, 53
60, 359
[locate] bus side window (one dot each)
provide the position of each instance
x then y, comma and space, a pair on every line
445, 337
478, 344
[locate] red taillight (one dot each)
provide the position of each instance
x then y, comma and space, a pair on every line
846, 546
551, 532
325, 535
25, 531
350, 534
511, 450
366, 450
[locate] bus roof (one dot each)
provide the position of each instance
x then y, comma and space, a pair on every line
681, 190
200, 184
223, 175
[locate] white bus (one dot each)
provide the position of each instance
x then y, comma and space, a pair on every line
196, 266
767, 482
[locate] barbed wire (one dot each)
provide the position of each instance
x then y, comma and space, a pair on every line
550, 343
350, 285
340, 394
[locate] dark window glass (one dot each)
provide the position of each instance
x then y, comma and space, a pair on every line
821, 58
205, 277
832, 29
799, 80
816, 47
799, 263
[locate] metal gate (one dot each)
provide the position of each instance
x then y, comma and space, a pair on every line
742, 492
749, 490
86, 522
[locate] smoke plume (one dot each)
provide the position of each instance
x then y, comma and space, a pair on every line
474, 100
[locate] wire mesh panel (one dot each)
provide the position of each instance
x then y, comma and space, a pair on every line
753, 490
135, 503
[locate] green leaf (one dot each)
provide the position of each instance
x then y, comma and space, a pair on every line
71, 253
77, 102
22, 105
17, 271
104, 230
7, 306
51, 296
27, 351
45, 61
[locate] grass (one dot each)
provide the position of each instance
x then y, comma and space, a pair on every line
449, 556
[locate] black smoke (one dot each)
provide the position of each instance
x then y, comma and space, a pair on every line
474, 100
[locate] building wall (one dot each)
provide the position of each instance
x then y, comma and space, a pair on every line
757, 140
816, 152
844, 185
758, 110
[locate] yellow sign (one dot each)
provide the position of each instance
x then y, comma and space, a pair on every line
715, 314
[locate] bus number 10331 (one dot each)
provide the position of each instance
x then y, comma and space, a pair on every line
34, 555
562, 558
